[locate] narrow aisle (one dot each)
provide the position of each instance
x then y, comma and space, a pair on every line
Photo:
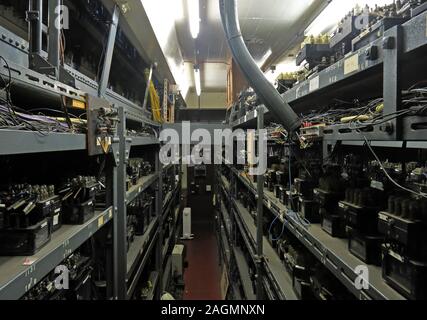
202, 278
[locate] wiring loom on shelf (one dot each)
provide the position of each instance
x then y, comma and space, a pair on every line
14, 118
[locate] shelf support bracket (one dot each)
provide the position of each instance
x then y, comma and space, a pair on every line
393, 51
105, 75
260, 211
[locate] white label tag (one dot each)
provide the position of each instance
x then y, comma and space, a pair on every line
382, 217
377, 185
56, 220
396, 256
100, 222
351, 64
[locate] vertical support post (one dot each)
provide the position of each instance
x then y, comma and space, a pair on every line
120, 245
260, 211
111, 200
393, 50
159, 210
165, 100
54, 34
35, 20
106, 68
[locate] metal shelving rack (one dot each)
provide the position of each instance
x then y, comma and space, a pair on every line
272, 267
390, 60
359, 72
331, 252
17, 279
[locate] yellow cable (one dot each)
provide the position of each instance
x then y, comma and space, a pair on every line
155, 104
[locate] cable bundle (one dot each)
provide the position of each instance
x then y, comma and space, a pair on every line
22, 121
14, 118
414, 102
155, 104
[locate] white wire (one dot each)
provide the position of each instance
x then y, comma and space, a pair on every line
387, 174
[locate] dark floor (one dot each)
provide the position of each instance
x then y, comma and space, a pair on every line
202, 278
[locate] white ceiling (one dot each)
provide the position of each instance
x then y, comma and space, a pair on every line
275, 25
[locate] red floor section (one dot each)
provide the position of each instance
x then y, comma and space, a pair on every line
202, 277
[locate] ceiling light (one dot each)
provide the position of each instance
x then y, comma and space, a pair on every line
194, 17
265, 58
197, 80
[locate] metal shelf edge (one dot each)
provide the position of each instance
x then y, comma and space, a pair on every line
62, 245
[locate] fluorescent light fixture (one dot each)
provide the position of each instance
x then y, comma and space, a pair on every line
197, 80
265, 58
283, 67
328, 20
194, 17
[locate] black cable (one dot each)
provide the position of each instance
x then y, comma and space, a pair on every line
67, 116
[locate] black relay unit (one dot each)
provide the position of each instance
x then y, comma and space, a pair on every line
28, 213
332, 220
309, 210
270, 180
407, 276
1, 216
26, 205
315, 55
307, 206
304, 187
360, 210
142, 209
78, 200
365, 246
136, 169
25, 241
375, 32
79, 268
404, 226
405, 229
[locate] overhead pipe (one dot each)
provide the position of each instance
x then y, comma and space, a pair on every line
263, 88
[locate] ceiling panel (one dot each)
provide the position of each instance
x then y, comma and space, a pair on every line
275, 25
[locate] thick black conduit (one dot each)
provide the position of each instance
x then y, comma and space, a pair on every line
264, 89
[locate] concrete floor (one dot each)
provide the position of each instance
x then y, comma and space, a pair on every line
202, 278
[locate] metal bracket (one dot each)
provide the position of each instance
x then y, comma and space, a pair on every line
115, 147
393, 51
105, 75
32, 16
39, 64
